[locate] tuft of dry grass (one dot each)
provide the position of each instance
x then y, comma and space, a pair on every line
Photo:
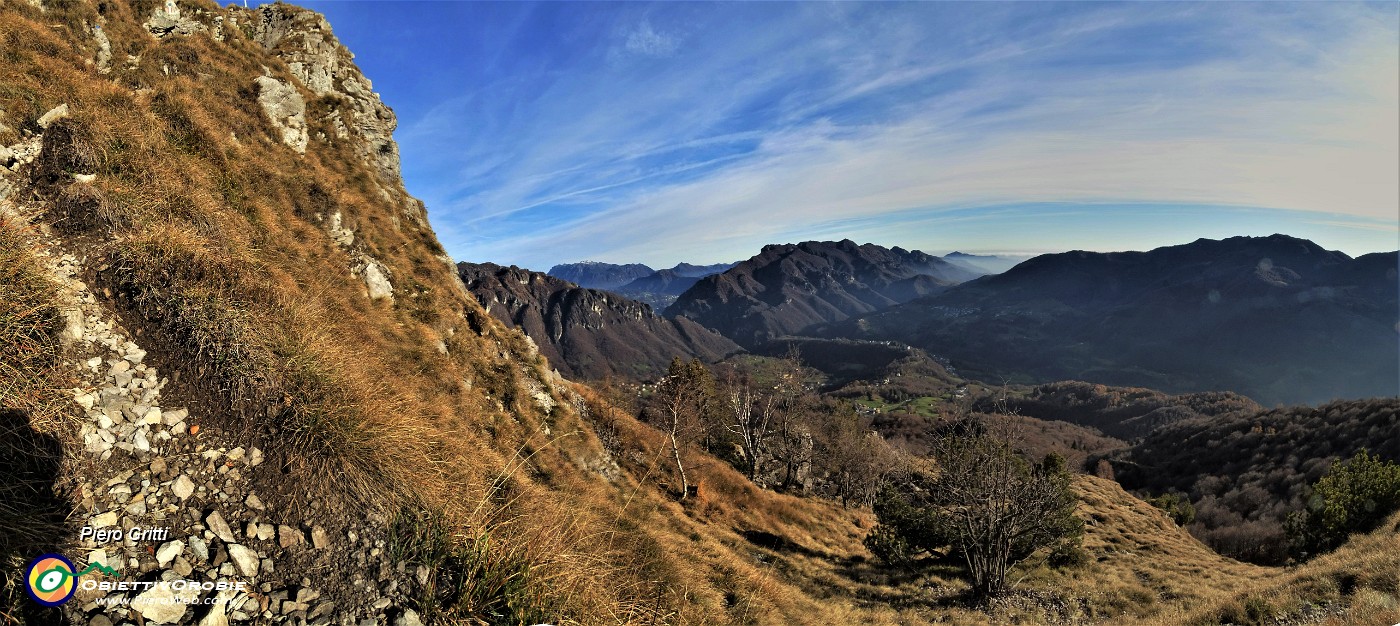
34, 423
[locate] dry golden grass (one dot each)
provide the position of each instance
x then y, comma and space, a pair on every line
205, 230
1357, 584
34, 425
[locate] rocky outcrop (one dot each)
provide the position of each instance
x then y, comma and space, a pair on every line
588, 333
315, 57
287, 110
375, 275
167, 20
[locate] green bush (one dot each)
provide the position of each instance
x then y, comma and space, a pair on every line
1176, 507
1354, 496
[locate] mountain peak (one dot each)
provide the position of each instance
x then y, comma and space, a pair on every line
788, 287
588, 333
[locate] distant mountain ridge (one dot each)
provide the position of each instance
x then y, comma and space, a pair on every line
1276, 318
984, 263
787, 288
599, 275
699, 271
589, 333
620, 278
659, 289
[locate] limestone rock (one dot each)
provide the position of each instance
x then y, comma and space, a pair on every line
285, 106
377, 282
166, 20
315, 57
339, 233
57, 113
168, 551
218, 614
162, 604
219, 527
104, 50
319, 540
183, 487
288, 536
245, 559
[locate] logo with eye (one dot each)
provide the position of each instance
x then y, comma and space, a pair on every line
51, 579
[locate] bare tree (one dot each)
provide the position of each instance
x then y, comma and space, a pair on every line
750, 416
684, 396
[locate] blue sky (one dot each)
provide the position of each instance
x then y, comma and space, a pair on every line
540, 133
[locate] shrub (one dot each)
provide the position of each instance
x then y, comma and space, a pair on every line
1176, 507
1354, 496
987, 504
465, 577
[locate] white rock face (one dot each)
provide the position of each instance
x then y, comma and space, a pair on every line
285, 106
339, 233
166, 20
377, 282
104, 50
317, 59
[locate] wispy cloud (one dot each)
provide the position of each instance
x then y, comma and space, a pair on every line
644, 40
780, 122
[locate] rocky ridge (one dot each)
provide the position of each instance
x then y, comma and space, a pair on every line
587, 332
304, 40
788, 288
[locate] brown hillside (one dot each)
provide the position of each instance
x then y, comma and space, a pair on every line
1246, 471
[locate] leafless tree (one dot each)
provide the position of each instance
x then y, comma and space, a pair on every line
750, 416
995, 508
684, 396
985, 503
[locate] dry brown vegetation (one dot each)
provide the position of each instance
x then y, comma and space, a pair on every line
204, 234
1246, 471
33, 395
